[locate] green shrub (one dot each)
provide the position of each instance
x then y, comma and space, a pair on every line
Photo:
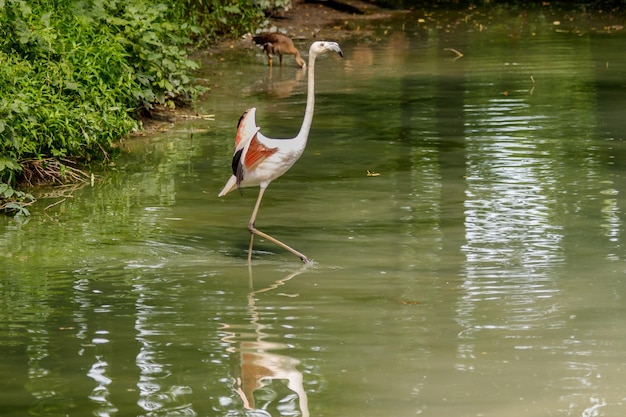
226, 18
73, 75
13, 201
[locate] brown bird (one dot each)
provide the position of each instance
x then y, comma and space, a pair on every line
274, 43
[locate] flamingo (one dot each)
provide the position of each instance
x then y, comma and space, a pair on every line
279, 44
259, 160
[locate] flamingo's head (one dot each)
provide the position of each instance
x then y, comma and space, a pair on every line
320, 47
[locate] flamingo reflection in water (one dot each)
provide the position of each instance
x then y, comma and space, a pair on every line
258, 365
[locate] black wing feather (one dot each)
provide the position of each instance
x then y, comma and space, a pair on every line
238, 166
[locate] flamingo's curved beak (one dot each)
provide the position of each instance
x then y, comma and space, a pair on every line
334, 46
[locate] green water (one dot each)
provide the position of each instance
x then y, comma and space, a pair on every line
481, 273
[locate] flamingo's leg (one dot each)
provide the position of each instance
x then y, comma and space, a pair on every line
254, 231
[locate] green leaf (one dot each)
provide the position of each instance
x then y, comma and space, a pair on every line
232, 9
10, 164
71, 85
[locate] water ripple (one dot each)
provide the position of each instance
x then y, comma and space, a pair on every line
513, 242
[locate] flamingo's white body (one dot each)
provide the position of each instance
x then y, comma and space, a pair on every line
258, 160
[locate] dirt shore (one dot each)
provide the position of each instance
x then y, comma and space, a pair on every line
321, 19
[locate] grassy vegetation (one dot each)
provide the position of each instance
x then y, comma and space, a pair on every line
75, 75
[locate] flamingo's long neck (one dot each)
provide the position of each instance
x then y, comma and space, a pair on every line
310, 101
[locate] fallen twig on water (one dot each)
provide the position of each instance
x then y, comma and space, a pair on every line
457, 53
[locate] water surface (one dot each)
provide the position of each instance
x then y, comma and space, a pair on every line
465, 216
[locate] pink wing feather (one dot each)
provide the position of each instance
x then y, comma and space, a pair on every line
249, 151
246, 128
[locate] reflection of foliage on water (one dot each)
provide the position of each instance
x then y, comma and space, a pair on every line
146, 179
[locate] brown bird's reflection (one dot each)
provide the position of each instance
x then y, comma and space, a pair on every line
277, 83
283, 88
258, 364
